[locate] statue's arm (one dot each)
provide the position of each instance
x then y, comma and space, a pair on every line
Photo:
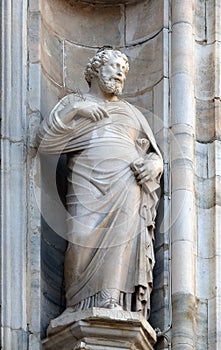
149, 168
70, 111
155, 163
57, 129
54, 133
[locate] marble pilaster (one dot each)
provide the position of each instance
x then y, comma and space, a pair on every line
13, 174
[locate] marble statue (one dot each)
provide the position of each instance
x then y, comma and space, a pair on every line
114, 169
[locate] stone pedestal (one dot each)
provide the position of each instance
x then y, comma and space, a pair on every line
99, 329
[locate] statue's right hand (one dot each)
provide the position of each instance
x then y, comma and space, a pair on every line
92, 111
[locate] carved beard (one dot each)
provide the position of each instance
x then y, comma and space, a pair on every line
110, 86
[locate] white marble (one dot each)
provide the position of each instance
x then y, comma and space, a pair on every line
13, 176
180, 75
98, 328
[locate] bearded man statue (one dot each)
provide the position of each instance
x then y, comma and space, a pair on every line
114, 169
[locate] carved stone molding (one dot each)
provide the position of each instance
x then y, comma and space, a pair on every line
98, 328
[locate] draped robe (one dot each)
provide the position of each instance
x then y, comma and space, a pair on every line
111, 218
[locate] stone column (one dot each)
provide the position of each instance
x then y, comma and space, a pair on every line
13, 174
182, 155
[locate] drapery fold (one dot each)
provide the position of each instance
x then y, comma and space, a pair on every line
111, 218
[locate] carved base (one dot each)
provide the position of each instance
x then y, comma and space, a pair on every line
99, 329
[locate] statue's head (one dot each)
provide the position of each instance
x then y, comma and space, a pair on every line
110, 67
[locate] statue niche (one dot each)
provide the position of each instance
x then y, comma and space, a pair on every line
114, 169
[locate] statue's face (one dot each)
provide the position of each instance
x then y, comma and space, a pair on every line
112, 75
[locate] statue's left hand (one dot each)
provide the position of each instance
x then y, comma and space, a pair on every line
149, 169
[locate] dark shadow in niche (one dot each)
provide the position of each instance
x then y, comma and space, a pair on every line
159, 296
53, 246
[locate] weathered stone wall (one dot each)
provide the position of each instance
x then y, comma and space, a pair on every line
72, 32
20, 229
208, 172
33, 207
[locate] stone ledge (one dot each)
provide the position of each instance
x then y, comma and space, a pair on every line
97, 329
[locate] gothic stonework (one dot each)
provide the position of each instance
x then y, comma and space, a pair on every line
98, 328
44, 45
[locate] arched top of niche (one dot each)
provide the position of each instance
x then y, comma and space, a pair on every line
108, 2
82, 23
99, 22
146, 66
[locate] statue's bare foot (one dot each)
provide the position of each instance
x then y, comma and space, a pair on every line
111, 304
114, 306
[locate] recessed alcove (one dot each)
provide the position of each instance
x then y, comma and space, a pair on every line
156, 35
71, 33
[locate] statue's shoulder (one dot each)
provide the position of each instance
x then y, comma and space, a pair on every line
132, 106
72, 98
139, 111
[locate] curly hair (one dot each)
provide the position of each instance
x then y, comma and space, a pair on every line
102, 57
